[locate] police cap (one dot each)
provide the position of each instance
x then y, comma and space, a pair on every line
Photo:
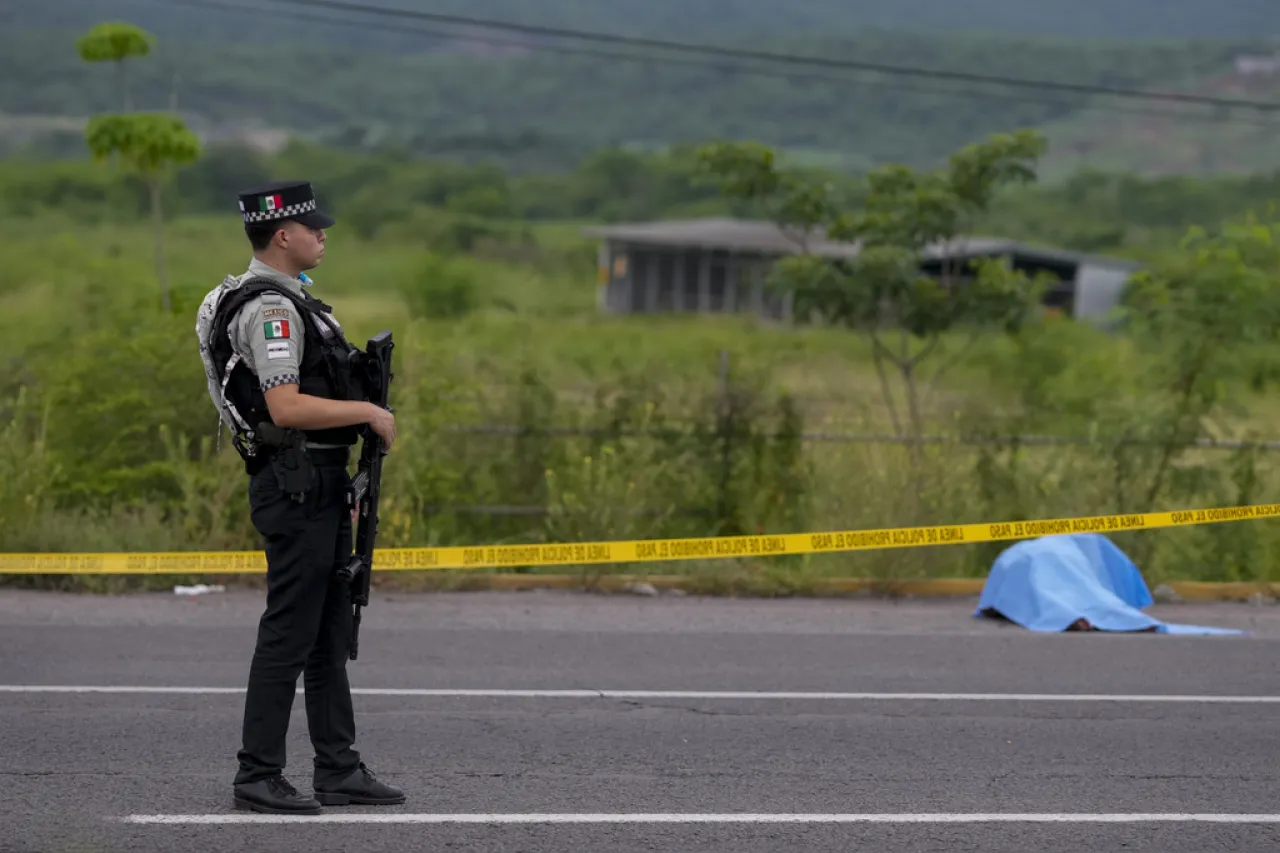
283, 200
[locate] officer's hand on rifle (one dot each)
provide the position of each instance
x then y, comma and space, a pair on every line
383, 423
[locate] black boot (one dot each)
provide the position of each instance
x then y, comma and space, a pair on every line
273, 795
360, 788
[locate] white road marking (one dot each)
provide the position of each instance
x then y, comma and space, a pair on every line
758, 695
1074, 818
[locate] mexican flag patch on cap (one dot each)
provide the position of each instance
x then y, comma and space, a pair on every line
270, 202
276, 329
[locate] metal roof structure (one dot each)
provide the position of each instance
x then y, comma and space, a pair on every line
745, 235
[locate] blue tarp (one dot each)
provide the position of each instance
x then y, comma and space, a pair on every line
1050, 583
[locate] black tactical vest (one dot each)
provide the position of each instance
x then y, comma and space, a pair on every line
327, 369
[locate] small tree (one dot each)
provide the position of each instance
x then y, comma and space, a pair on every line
1191, 314
113, 41
904, 220
1194, 318
149, 145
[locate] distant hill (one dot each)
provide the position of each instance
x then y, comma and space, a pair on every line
546, 111
1238, 141
284, 71
1110, 19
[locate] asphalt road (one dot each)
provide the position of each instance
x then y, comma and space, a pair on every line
150, 771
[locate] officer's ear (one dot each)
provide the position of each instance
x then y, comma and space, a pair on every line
285, 231
262, 235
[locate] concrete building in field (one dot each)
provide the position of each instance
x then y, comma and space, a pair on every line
720, 265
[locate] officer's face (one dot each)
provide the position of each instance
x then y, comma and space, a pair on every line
304, 246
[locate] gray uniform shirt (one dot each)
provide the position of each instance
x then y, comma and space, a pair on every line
268, 332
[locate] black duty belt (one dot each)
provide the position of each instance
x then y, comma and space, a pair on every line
329, 455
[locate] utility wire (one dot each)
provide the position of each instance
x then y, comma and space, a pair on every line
790, 59
757, 70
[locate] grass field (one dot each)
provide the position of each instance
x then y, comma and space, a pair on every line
109, 443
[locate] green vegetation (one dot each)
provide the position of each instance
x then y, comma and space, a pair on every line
456, 207
110, 445
528, 416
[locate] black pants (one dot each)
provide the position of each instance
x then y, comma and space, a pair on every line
306, 627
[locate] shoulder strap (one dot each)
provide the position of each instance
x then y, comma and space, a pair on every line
255, 286
321, 313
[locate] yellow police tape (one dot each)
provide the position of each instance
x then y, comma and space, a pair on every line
640, 551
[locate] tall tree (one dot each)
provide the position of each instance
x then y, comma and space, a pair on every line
113, 41
149, 146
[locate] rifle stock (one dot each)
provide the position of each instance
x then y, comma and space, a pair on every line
366, 485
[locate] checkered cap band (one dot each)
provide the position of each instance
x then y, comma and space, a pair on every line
282, 213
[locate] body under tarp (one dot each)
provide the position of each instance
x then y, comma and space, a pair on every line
1078, 581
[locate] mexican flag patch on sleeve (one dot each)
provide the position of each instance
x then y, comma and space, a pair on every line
276, 329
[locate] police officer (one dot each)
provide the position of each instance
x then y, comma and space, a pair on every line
290, 377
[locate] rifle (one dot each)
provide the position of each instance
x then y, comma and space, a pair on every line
362, 495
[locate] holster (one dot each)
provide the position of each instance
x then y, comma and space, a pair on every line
286, 451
